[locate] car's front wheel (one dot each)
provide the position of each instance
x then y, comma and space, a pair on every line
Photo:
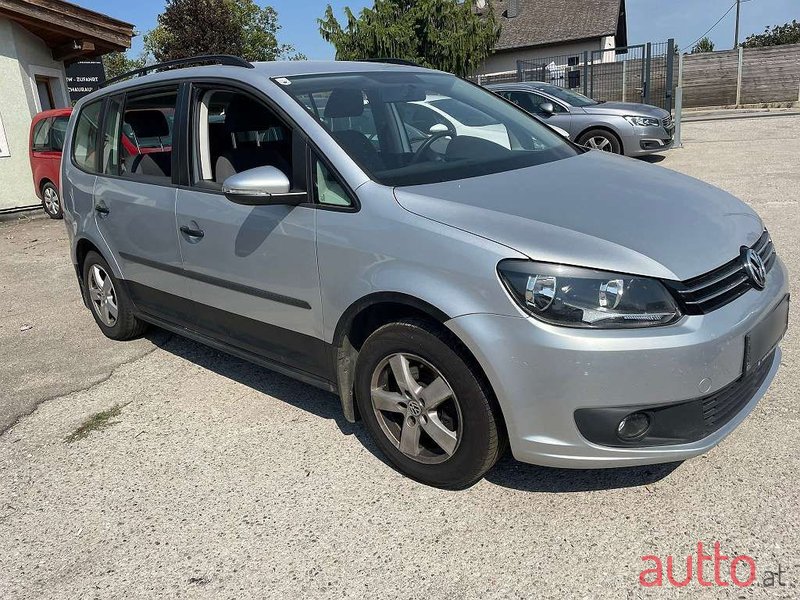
426, 408
51, 201
600, 139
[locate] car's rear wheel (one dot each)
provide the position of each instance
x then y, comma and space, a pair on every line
600, 139
51, 201
426, 408
111, 308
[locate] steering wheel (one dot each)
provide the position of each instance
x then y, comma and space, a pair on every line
425, 146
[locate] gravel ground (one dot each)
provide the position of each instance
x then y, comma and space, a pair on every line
217, 479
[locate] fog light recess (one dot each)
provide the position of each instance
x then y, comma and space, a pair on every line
633, 426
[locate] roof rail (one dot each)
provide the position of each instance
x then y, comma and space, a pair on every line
214, 59
392, 61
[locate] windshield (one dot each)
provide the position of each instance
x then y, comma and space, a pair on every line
408, 128
568, 96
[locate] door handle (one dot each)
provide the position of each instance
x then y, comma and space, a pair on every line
197, 233
101, 208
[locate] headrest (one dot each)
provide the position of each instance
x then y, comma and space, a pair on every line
245, 114
148, 123
344, 102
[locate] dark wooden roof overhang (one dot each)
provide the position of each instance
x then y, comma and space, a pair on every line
70, 31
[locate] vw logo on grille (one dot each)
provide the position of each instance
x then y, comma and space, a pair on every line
755, 268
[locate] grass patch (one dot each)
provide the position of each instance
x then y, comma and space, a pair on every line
96, 422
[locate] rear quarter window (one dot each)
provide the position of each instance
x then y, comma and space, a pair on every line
84, 143
40, 133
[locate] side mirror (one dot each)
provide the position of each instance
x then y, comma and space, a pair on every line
438, 128
260, 186
547, 108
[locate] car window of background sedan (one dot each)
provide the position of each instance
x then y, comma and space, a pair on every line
568, 96
532, 102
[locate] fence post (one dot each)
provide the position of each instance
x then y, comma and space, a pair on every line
519, 71
647, 65
739, 77
670, 73
585, 72
624, 79
677, 142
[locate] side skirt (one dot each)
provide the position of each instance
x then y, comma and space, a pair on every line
296, 355
302, 376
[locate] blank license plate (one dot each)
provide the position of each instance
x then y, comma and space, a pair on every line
766, 335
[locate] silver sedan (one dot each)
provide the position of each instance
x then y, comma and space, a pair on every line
618, 127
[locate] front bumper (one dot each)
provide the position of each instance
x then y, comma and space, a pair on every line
641, 141
542, 374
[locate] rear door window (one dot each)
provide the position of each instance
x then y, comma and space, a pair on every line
146, 135
58, 131
112, 160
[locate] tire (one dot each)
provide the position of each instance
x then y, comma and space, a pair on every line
51, 201
600, 139
107, 299
467, 425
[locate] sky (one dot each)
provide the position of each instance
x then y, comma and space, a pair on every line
648, 20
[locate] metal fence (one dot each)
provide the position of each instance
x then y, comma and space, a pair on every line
641, 73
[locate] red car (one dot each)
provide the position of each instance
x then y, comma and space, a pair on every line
47, 139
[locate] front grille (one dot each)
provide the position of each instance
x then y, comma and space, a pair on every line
667, 122
705, 293
722, 406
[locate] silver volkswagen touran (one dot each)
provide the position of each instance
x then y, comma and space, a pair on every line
461, 291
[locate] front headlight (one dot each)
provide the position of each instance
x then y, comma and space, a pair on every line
576, 297
643, 121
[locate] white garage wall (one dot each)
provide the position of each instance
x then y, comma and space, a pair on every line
22, 57
507, 61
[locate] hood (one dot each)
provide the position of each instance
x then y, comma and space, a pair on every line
597, 210
626, 109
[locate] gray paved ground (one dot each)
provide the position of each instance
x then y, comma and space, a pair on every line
222, 480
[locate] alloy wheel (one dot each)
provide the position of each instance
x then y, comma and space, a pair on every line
103, 295
416, 408
51, 201
599, 142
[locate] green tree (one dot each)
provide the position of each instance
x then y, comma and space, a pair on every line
442, 34
704, 45
240, 27
117, 63
788, 33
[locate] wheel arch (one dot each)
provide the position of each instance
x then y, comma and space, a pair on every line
369, 313
41, 181
85, 244
82, 247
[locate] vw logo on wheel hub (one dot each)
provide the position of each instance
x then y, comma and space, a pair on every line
755, 268
414, 408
